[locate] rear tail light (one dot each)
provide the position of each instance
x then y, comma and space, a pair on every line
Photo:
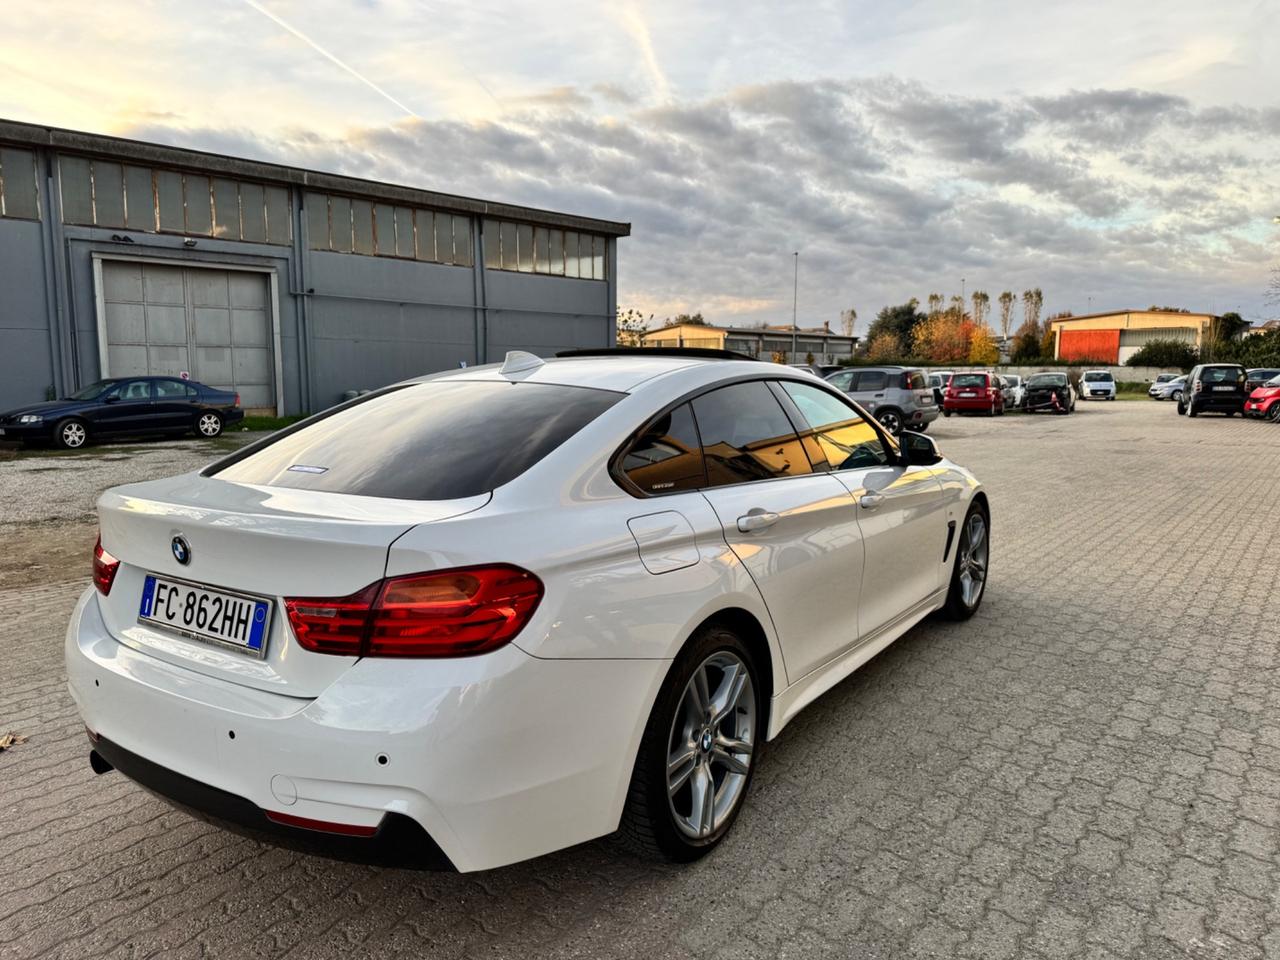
237, 403
450, 613
1197, 387
104, 568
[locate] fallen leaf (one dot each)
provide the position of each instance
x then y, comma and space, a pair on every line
11, 740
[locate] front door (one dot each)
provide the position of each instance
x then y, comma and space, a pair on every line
795, 530
901, 513
125, 408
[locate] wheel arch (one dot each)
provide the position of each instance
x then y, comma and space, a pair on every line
745, 624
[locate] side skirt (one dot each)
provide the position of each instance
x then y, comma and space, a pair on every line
810, 687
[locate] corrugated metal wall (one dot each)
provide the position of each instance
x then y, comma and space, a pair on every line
1100, 345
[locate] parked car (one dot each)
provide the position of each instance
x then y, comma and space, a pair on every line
1156, 390
1012, 389
1214, 387
899, 397
973, 393
1264, 401
1170, 389
938, 383
497, 611
1258, 376
1049, 391
1097, 385
819, 370
124, 406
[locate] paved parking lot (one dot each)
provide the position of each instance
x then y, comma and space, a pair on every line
1088, 768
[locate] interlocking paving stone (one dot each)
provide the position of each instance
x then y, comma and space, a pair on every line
1089, 768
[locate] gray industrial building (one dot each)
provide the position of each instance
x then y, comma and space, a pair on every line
123, 258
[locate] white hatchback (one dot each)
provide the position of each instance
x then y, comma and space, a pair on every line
1097, 385
494, 612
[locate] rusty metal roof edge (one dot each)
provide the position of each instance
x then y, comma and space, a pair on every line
140, 151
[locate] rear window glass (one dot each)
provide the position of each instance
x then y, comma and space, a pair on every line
914, 380
1222, 375
969, 380
667, 455
438, 440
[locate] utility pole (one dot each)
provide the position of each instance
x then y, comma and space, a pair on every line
795, 297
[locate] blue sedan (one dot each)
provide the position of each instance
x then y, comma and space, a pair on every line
124, 406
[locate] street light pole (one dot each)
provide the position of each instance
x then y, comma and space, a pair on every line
962, 298
795, 297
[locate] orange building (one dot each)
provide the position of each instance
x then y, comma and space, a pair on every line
1115, 337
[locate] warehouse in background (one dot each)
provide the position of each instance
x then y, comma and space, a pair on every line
1115, 337
289, 286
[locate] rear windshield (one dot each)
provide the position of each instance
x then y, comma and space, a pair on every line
1222, 375
1047, 380
1097, 376
438, 440
969, 380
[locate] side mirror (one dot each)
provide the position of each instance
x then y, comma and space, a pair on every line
918, 450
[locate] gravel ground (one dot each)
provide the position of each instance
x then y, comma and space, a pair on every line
1089, 768
47, 497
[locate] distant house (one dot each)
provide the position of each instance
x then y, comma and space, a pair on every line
1264, 327
766, 341
1115, 337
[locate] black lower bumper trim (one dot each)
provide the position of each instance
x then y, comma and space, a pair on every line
400, 841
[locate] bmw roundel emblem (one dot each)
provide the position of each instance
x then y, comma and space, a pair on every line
181, 550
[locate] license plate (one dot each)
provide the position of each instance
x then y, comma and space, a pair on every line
967, 393
1, 431
1224, 388
213, 616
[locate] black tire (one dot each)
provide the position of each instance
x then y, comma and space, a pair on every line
649, 827
70, 434
956, 607
1182, 409
208, 424
891, 419
1273, 414
1192, 411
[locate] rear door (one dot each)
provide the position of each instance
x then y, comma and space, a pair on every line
174, 404
794, 529
870, 387
901, 512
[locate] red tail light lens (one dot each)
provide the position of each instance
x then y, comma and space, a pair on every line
237, 400
450, 613
104, 568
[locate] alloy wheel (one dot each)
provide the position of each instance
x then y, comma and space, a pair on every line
74, 435
711, 744
890, 421
210, 425
974, 554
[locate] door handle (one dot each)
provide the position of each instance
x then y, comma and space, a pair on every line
756, 519
869, 501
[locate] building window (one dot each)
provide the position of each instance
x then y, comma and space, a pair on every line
349, 225
547, 250
19, 195
106, 194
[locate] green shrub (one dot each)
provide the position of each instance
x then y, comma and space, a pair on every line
1165, 353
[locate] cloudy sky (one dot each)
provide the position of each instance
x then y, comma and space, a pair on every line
1115, 154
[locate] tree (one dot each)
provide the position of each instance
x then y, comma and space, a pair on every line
1221, 331
1165, 353
1032, 300
884, 347
1006, 313
848, 320
898, 321
982, 348
692, 318
1154, 309
1026, 346
935, 304
632, 325
943, 337
981, 307
1047, 341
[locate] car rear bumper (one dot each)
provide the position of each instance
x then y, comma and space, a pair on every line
232, 415
497, 758
922, 415
966, 404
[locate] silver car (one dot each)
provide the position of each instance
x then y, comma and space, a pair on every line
899, 397
1170, 389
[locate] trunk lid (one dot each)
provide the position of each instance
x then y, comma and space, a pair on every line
263, 542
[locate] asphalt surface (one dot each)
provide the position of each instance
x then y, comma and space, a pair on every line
1090, 767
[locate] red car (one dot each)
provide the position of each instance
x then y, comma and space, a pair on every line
973, 393
1265, 401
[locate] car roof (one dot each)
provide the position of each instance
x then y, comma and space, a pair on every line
619, 372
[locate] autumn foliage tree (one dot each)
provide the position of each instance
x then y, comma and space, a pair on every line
884, 347
982, 347
943, 336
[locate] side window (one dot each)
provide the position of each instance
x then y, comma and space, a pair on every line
842, 381
846, 440
192, 392
873, 380
746, 435
130, 390
170, 390
667, 455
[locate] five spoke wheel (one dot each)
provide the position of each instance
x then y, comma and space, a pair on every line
973, 557
711, 745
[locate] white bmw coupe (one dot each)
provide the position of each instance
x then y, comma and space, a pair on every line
490, 613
